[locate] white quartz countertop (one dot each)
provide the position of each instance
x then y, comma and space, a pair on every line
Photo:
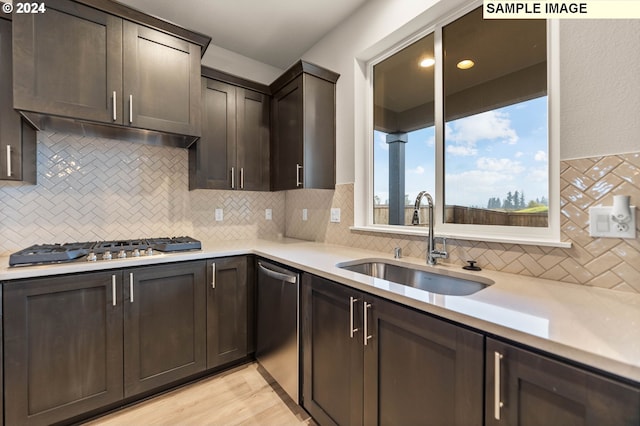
592, 326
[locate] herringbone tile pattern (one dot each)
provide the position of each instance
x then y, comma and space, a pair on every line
98, 189
318, 205
101, 189
612, 263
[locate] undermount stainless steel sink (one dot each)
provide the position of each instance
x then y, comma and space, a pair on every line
411, 275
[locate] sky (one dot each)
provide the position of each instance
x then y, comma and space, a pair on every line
486, 155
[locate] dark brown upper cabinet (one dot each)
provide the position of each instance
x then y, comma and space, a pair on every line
83, 63
303, 128
17, 137
233, 152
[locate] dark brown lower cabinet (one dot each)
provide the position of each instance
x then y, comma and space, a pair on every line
370, 361
227, 310
62, 346
75, 344
164, 324
527, 389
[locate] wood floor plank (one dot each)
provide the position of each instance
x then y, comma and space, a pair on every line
241, 396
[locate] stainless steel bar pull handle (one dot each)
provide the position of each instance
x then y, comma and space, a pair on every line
233, 178
366, 323
115, 115
131, 287
213, 276
113, 290
288, 278
9, 171
298, 178
497, 404
130, 109
241, 177
352, 330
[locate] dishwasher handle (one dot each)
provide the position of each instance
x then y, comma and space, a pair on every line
290, 278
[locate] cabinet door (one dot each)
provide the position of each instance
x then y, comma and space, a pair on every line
332, 354
287, 126
164, 324
63, 346
161, 81
419, 369
213, 156
226, 310
319, 145
252, 158
68, 62
535, 390
17, 139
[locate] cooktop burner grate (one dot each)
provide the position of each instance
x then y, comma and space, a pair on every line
42, 254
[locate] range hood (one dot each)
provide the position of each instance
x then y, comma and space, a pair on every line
86, 128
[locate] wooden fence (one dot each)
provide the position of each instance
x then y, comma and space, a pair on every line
469, 215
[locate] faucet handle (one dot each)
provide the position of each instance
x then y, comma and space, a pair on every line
397, 252
444, 243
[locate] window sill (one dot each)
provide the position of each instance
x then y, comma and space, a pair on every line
423, 232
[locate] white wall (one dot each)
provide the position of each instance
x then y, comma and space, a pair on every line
600, 87
236, 64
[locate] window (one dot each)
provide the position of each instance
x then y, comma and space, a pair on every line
404, 131
463, 113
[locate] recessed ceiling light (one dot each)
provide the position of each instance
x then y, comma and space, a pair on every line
427, 62
465, 64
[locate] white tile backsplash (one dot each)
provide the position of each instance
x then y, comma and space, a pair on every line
100, 189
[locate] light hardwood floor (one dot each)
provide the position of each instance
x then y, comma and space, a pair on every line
241, 396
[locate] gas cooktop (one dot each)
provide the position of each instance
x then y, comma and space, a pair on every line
44, 254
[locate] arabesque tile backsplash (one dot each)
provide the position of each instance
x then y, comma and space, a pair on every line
94, 189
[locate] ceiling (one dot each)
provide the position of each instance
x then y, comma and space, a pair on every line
501, 50
275, 32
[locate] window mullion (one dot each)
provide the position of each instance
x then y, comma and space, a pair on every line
439, 125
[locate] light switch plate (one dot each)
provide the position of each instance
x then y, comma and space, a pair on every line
219, 215
602, 225
268, 214
305, 214
335, 215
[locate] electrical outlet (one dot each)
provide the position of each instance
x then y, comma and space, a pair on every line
268, 214
601, 224
335, 215
219, 215
305, 214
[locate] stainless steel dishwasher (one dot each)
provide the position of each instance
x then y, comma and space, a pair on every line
277, 346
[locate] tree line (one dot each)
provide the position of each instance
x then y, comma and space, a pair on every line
515, 201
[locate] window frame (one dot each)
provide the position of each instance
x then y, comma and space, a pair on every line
363, 185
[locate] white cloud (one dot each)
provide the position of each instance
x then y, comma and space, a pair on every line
501, 165
538, 175
540, 156
418, 170
475, 187
431, 141
462, 150
381, 141
490, 125
518, 154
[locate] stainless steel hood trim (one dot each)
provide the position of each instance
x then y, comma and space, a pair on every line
102, 130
